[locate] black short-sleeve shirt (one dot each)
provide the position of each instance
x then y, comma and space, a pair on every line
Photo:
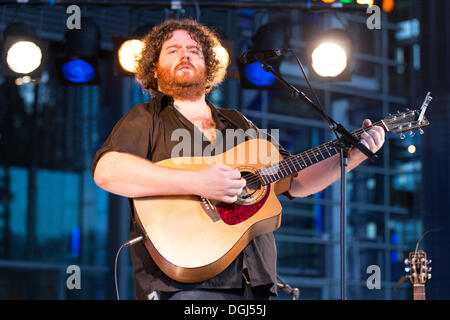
146, 131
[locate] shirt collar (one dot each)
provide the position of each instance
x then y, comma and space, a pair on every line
164, 100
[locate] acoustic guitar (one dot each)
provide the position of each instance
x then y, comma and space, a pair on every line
419, 273
193, 239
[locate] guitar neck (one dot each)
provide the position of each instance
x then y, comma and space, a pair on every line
295, 163
419, 292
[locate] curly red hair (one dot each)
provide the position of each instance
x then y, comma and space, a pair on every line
207, 38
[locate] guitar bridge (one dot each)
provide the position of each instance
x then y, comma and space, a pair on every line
209, 209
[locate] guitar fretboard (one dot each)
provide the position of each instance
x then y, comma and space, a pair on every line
419, 292
300, 161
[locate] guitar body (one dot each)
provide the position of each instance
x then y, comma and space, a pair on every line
190, 238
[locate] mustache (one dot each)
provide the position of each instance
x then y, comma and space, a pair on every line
183, 64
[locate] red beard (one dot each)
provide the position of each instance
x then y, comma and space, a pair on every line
182, 85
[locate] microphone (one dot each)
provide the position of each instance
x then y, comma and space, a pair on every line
254, 56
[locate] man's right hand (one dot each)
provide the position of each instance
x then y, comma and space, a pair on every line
219, 182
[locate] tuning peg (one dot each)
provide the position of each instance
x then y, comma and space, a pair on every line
407, 269
412, 133
429, 276
407, 109
402, 136
428, 261
406, 261
430, 268
421, 131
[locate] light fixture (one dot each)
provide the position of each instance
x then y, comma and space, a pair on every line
331, 56
127, 51
23, 53
79, 65
270, 36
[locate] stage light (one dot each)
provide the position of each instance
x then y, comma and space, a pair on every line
81, 54
222, 55
368, 2
24, 57
330, 56
412, 149
256, 75
78, 71
127, 50
329, 59
269, 36
224, 60
23, 54
388, 5
129, 53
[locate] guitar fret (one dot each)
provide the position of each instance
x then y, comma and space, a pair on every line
327, 148
309, 159
319, 153
303, 159
299, 163
314, 154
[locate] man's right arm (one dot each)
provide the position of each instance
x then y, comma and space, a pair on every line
131, 176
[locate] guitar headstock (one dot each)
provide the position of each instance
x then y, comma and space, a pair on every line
417, 266
408, 120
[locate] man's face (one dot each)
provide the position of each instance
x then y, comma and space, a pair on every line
181, 67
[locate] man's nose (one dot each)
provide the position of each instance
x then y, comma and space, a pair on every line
185, 55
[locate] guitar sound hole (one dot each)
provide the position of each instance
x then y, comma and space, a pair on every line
252, 185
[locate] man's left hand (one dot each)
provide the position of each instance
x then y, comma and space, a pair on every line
373, 139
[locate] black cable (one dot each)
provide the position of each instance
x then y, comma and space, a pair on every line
126, 244
309, 84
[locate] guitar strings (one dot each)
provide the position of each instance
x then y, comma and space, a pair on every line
286, 164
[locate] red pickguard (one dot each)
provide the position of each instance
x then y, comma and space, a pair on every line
232, 213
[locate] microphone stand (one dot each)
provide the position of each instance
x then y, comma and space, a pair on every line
345, 141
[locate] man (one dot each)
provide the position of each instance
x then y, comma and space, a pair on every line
179, 68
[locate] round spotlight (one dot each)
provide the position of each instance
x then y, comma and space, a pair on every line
223, 57
78, 71
82, 47
24, 57
23, 53
331, 55
129, 53
257, 76
329, 59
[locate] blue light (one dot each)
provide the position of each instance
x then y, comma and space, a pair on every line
258, 76
78, 71
75, 242
394, 241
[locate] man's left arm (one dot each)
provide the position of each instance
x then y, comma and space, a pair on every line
322, 174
